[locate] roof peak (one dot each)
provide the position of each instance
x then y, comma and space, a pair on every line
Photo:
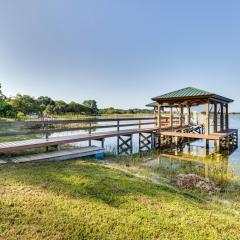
190, 87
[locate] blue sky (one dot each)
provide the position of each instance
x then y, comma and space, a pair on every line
120, 53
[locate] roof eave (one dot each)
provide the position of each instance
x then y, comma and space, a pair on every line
223, 99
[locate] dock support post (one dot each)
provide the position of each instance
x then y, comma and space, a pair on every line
221, 119
102, 143
188, 148
152, 140
180, 109
157, 140
155, 113
207, 122
159, 116
215, 119
45, 128
188, 114
226, 118
216, 146
207, 147
131, 144
171, 116
90, 131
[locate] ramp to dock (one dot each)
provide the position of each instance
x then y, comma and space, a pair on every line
59, 155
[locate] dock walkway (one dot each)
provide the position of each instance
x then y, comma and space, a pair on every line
8, 147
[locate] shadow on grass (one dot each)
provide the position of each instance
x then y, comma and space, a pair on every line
90, 180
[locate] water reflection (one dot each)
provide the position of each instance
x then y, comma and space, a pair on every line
193, 159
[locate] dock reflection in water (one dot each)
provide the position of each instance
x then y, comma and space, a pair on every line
194, 159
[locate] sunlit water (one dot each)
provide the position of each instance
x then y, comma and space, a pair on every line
191, 159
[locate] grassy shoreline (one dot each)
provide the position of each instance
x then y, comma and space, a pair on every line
85, 199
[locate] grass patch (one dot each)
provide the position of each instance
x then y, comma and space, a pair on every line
88, 200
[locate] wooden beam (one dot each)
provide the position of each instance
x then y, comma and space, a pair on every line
221, 118
215, 118
207, 122
155, 112
226, 118
188, 107
180, 107
171, 117
159, 116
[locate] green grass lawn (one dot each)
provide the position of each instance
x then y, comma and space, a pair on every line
89, 200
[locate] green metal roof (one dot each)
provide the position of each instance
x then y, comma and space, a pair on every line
188, 93
185, 92
153, 104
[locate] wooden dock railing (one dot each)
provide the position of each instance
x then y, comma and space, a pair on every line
24, 128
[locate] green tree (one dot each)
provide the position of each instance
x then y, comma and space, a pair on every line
60, 107
25, 104
74, 107
49, 110
6, 110
44, 102
92, 105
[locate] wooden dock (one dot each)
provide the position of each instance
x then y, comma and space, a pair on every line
163, 132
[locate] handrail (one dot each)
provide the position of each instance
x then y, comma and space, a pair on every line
48, 122
47, 131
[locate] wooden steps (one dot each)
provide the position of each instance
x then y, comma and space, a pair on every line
59, 155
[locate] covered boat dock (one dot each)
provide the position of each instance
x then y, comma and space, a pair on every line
178, 123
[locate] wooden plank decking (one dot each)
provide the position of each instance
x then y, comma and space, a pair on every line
214, 136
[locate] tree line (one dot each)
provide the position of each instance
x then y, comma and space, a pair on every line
23, 105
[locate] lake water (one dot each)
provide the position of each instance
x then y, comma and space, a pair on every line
192, 159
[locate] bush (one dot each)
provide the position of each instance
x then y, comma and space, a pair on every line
20, 116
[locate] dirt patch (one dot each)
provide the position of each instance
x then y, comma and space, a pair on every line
20, 190
192, 181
